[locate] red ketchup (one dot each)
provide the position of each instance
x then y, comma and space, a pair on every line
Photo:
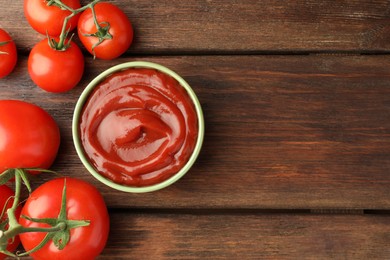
139, 127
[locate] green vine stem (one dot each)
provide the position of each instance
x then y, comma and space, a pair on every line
102, 33
2, 44
62, 45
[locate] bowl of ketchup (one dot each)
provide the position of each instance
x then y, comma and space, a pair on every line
138, 127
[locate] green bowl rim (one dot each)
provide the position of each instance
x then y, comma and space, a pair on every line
84, 96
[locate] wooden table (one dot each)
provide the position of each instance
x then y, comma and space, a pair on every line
296, 158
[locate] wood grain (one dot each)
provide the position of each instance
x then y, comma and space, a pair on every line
191, 236
249, 26
304, 132
288, 137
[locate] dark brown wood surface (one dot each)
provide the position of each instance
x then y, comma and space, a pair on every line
264, 236
296, 98
252, 26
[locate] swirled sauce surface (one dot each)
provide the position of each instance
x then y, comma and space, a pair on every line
138, 127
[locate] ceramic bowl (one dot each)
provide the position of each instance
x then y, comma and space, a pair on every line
84, 97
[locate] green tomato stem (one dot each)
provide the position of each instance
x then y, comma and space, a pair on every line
95, 18
12, 221
62, 45
2, 44
19, 229
64, 33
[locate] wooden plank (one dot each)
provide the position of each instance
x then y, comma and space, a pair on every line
281, 132
154, 236
239, 26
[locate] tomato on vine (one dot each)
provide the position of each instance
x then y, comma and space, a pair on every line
6, 201
8, 54
109, 35
29, 136
47, 16
76, 212
56, 69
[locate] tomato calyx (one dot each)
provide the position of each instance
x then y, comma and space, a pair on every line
102, 34
61, 45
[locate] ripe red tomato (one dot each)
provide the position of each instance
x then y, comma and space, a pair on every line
84, 202
8, 54
53, 70
120, 29
49, 19
6, 203
29, 136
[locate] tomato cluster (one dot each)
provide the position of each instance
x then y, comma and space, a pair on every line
104, 30
68, 214
23, 149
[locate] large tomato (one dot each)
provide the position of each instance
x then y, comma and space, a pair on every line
5, 203
47, 19
8, 54
119, 27
53, 70
29, 136
83, 202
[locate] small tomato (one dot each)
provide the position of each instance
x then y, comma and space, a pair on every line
55, 70
8, 54
83, 202
116, 29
